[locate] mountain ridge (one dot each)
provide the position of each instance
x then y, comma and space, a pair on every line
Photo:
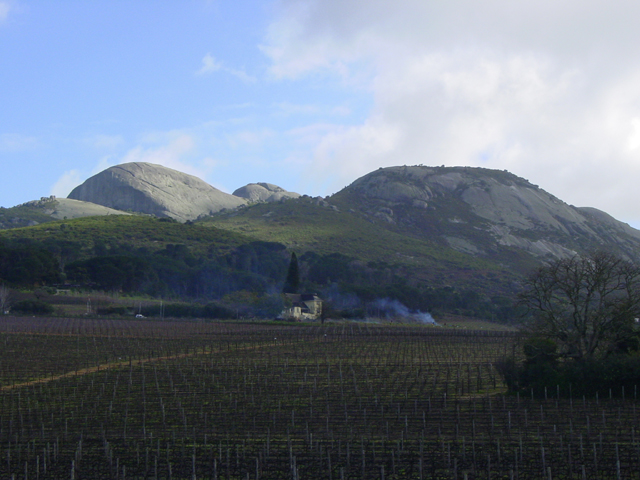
455, 239
473, 210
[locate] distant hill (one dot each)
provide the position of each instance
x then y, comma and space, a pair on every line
338, 245
155, 190
48, 209
141, 188
489, 215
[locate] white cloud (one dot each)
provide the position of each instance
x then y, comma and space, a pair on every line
171, 152
633, 141
5, 8
347, 153
67, 182
341, 111
548, 90
211, 65
312, 134
290, 109
14, 142
104, 163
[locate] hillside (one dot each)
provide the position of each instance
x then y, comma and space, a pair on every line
154, 190
449, 239
441, 220
486, 213
453, 240
48, 209
142, 255
350, 259
307, 225
85, 236
207, 261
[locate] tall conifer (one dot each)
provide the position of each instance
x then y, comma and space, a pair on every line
292, 283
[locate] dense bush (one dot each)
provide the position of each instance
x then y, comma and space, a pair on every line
27, 265
35, 307
188, 310
176, 272
543, 373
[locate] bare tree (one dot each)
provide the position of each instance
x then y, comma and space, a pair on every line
5, 299
587, 305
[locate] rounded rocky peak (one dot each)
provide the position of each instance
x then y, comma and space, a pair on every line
495, 195
419, 182
155, 190
395, 184
264, 192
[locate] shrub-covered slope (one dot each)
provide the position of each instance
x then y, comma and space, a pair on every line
135, 254
440, 239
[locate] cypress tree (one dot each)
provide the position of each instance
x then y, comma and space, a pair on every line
292, 283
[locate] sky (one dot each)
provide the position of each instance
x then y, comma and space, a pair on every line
312, 94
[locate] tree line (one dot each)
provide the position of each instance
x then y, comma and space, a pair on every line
257, 268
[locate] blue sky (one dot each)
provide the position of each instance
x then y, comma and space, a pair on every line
312, 94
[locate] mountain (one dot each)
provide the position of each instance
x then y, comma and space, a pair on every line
264, 192
441, 239
451, 238
154, 190
486, 213
48, 209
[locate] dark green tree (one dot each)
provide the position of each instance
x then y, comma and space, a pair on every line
5, 298
292, 282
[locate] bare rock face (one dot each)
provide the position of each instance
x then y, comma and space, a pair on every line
264, 192
68, 208
155, 190
482, 211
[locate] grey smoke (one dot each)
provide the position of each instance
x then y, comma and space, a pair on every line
389, 308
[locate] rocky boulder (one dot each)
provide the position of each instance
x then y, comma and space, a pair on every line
264, 192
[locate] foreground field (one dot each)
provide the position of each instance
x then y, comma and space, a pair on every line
100, 399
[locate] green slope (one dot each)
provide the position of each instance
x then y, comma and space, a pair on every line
304, 226
244, 250
138, 232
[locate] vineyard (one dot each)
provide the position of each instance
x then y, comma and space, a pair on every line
116, 399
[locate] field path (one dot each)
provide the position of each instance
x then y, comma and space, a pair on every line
107, 366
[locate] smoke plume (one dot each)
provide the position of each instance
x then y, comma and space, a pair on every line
390, 308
